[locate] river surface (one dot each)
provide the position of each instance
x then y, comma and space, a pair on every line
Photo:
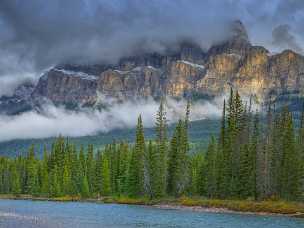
36, 214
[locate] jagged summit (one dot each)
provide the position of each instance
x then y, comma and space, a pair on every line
189, 71
239, 32
237, 43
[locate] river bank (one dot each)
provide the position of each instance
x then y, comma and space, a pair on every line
292, 209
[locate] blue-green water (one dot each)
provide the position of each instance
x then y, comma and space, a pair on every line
29, 214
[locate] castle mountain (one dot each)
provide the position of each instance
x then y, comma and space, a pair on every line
186, 72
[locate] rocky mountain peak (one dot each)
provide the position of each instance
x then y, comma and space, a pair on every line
189, 71
237, 43
239, 31
190, 51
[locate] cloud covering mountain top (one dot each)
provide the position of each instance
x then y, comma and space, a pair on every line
36, 34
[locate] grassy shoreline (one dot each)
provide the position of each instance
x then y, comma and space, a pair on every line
292, 209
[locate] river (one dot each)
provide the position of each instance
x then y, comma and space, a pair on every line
38, 214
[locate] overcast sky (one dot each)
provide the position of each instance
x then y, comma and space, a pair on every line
37, 34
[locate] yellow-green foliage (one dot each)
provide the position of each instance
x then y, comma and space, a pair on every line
280, 207
67, 198
276, 207
127, 200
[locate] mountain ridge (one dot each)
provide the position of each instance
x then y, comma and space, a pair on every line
188, 72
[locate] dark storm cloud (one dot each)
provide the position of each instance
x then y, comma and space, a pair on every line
36, 34
282, 37
79, 30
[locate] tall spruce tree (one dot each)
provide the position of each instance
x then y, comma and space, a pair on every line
160, 154
45, 182
31, 172
210, 173
174, 167
136, 172
84, 189
15, 179
176, 162
55, 188
90, 167
290, 179
253, 151
105, 177
67, 187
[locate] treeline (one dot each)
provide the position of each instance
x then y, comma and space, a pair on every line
135, 170
255, 156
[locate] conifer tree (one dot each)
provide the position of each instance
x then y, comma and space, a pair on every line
31, 172
67, 187
176, 162
84, 190
290, 179
55, 189
15, 179
124, 168
82, 162
300, 149
105, 177
76, 172
98, 173
253, 148
223, 159
210, 172
160, 154
236, 127
194, 174
45, 185
155, 182
245, 172
90, 166
253, 158
136, 172
185, 165
222, 138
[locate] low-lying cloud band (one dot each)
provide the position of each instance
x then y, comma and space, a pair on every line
59, 121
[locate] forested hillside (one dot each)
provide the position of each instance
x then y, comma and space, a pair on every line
199, 134
247, 160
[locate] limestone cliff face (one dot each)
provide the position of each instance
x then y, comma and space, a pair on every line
183, 77
188, 71
287, 71
252, 77
220, 70
128, 84
264, 75
66, 87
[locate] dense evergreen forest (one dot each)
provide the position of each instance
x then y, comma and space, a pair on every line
255, 156
199, 133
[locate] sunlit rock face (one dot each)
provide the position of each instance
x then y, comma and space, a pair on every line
182, 77
187, 71
141, 81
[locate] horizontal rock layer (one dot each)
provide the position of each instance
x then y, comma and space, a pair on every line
189, 71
